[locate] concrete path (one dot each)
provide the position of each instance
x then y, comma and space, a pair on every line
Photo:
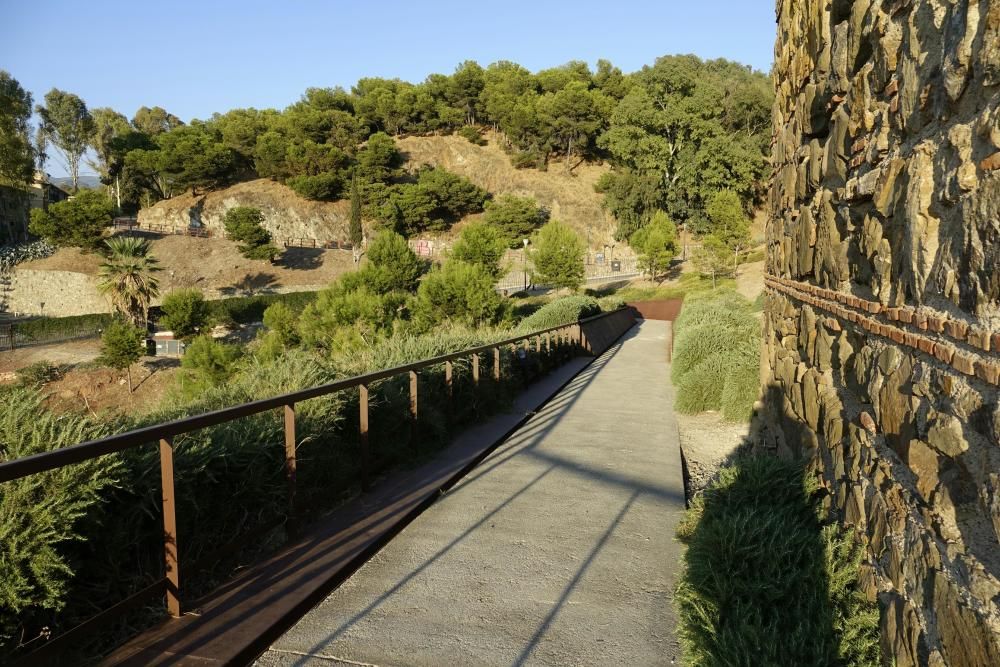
557, 550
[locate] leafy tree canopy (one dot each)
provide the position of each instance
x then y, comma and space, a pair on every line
17, 158
558, 256
459, 292
185, 312
656, 244
515, 217
245, 225
78, 222
481, 244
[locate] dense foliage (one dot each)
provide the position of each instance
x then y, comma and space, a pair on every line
686, 129
481, 244
557, 254
516, 218
563, 311
716, 356
185, 312
17, 155
764, 581
122, 345
676, 132
79, 222
656, 245
245, 225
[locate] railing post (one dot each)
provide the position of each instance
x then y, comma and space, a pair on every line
538, 344
448, 383
291, 466
363, 433
496, 364
475, 369
548, 342
170, 527
413, 406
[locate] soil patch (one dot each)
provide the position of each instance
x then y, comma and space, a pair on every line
707, 441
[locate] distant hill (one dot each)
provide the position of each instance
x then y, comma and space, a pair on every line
86, 181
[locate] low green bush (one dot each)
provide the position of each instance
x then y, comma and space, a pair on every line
764, 582
472, 135
248, 309
41, 329
38, 374
692, 345
741, 391
610, 304
701, 388
45, 518
561, 311
717, 355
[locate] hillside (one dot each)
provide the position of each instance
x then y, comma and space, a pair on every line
569, 197
286, 214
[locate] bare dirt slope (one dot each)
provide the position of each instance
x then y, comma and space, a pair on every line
286, 214
216, 265
570, 196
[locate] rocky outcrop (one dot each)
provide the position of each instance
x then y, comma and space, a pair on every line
286, 214
882, 353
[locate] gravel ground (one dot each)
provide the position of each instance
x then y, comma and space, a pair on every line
707, 441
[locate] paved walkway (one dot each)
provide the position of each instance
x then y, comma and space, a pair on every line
557, 550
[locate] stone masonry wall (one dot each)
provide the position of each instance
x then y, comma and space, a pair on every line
882, 318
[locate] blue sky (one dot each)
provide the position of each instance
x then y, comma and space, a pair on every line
195, 58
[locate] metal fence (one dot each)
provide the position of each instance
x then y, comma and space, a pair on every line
128, 225
13, 337
592, 335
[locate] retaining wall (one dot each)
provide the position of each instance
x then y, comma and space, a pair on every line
882, 328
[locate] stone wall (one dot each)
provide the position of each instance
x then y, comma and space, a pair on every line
67, 293
882, 320
63, 293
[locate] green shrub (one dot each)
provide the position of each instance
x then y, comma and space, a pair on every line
43, 518
458, 292
701, 389
528, 160
185, 312
566, 310
38, 374
245, 225
472, 135
741, 392
208, 363
323, 187
481, 244
692, 345
283, 322
764, 582
41, 329
247, 309
716, 355
610, 304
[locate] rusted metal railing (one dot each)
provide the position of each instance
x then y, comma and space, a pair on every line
558, 339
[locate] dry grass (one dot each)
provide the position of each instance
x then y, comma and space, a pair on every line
568, 195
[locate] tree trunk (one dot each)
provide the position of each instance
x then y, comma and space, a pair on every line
128, 372
118, 192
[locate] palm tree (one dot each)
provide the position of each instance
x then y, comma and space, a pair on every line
127, 278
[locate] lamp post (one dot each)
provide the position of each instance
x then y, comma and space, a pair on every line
524, 263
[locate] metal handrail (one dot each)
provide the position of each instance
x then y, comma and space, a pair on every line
44, 461
164, 435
